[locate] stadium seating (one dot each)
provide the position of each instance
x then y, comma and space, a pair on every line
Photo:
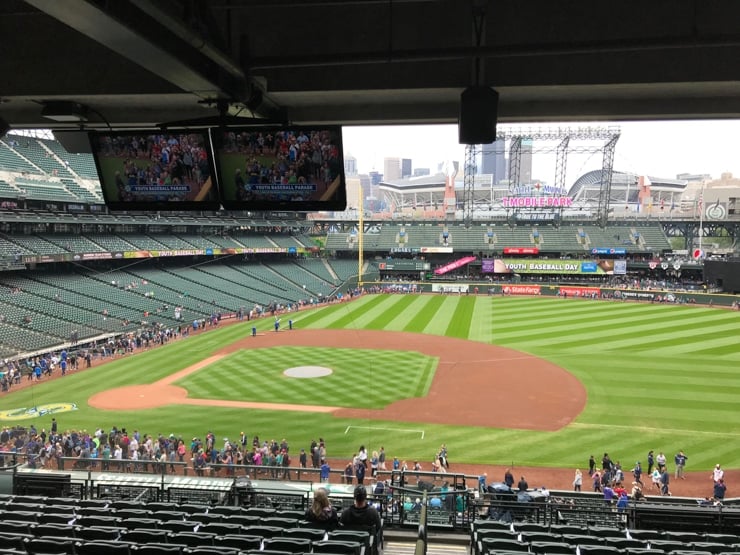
72, 243
45, 190
7, 190
145, 242
569, 238
42, 157
345, 268
304, 274
81, 164
34, 244
11, 159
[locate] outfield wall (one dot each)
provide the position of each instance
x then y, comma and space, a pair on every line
557, 290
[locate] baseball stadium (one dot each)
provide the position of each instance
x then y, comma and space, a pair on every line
500, 346
217, 335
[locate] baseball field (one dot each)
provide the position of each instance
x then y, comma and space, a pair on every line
534, 381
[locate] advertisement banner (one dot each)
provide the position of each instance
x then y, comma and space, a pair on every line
579, 291
536, 202
404, 265
640, 295
521, 250
554, 266
602, 250
92, 256
620, 267
521, 290
454, 265
486, 266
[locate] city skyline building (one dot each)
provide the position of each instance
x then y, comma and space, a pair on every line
391, 168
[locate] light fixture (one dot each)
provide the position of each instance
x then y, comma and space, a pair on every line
65, 111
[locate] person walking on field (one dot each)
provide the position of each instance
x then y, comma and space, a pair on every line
718, 474
680, 461
578, 480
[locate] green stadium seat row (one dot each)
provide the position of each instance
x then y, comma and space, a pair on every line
34, 244
72, 243
192, 307
267, 284
287, 241
343, 268
42, 157
319, 267
11, 161
43, 190
298, 274
476, 238
81, 164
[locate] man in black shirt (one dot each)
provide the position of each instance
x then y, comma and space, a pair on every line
360, 513
522, 485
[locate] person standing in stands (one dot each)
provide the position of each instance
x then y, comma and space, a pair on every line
522, 485
508, 478
360, 513
720, 489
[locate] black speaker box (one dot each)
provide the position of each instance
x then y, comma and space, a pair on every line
478, 114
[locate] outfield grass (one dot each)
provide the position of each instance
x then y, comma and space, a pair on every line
658, 377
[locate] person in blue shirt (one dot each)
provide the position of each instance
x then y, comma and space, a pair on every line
622, 502
325, 469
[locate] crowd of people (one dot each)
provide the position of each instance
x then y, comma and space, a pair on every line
158, 167
283, 165
608, 477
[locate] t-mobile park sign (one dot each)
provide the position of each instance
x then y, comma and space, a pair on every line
536, 202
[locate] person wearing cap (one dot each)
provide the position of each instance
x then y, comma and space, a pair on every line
360, 513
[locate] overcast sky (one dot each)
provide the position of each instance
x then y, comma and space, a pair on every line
659, 149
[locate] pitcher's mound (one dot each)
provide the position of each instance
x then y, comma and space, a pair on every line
307, 371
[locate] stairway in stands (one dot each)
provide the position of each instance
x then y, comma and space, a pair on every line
395, 547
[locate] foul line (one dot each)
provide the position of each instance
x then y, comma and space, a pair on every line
386, 429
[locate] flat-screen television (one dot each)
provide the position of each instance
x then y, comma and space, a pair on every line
299, 169
156, 170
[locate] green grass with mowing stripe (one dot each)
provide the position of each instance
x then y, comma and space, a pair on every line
658, 377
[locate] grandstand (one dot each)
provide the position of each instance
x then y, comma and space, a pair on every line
569, 238
206, 263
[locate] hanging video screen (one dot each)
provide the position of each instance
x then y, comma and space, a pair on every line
298, 169
156, 170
